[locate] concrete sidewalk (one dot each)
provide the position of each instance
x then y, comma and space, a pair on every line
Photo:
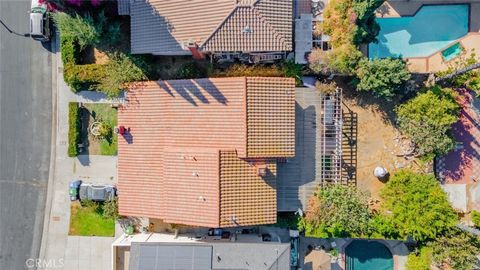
73, 252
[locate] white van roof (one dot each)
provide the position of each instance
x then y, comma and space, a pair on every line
36, 24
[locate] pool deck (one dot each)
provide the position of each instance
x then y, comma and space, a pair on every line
435, 62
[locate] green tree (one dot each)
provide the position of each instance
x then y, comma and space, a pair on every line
81, 29
416, 206
121, 70
382, 76
456, 249
368, 28
337, 211
427, 120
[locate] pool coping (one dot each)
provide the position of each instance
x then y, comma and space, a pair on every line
383, 241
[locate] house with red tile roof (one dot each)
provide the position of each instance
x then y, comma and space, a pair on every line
204, 152
221, 27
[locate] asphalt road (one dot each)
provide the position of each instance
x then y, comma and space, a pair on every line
25, 136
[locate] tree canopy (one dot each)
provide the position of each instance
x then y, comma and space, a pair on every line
382, 76
457, 249
367, 28
427, 120
416, 206
81, 29
337, 211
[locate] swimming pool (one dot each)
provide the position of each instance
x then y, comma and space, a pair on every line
431, 29
366, 255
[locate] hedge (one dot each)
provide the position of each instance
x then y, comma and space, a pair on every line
68, 48
84, 77
74, 127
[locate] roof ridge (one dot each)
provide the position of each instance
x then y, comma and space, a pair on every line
219, 26
267, 23
253, 7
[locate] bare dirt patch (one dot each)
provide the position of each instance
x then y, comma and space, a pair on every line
379, 143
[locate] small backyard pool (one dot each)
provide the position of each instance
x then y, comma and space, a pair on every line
430, 30
365, 255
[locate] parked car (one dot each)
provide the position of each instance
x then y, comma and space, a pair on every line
98, 193
73, 189
39, 21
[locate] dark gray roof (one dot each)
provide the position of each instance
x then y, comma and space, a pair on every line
156, 256
123, 7
209, 256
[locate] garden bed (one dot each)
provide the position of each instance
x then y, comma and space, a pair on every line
91, 115
88, 220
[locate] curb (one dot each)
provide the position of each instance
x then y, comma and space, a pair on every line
53, 147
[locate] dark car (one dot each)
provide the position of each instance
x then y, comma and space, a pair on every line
98, 193
73, 189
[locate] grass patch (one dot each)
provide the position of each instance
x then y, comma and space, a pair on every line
88, 220
104, 113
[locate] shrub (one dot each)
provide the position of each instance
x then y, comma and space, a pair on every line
74, 127
427, 120
476, 218
239, 70
121, 70
416, 206
80, 29
344, 59
105, 131
382, 76
337, 211
420, 259
465, 78
68, 50
317, 61
110, 209
293, 70
456, 249
84, 77
188, 70
326, 88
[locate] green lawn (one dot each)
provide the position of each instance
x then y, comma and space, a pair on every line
88, 221
104, 113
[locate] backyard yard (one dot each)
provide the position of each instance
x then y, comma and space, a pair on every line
379, 142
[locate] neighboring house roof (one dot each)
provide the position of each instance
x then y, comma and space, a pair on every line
195, 147
175, 256
162, 27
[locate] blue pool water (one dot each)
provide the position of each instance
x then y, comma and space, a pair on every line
368, 255
430, 30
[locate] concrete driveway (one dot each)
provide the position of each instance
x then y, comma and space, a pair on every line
25, 135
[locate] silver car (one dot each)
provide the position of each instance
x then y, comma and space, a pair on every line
98, 193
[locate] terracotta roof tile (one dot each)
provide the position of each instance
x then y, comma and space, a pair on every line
245, 197
170, 166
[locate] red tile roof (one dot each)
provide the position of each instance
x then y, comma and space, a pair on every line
192, 151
